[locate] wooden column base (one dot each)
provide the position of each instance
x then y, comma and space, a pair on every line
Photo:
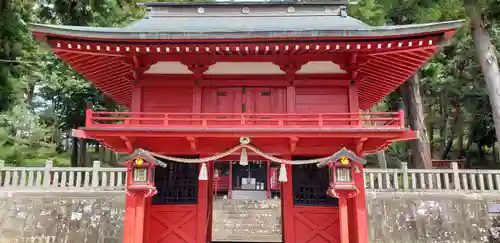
344, 219
134, 215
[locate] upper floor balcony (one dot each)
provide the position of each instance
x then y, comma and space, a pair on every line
285, 133
245, 121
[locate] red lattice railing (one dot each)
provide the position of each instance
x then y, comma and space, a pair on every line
249, 120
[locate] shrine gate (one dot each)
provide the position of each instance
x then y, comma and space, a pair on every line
246, 121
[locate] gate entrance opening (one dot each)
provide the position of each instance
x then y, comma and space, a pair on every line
246, 202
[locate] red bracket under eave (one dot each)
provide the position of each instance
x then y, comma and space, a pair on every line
80, 134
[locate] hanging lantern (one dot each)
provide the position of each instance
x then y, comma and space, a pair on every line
141, 175
344, 168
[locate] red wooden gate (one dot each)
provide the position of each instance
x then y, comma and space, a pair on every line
316, 224
172, 224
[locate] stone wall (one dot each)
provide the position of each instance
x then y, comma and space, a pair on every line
97, 217
61, 217
429, 217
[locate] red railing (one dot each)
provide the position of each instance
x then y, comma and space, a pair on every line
206, 120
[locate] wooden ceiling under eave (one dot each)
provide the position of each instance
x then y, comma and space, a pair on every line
378, 65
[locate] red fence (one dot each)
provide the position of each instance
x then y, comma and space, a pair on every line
204, 120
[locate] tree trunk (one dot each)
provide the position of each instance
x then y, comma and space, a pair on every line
382, 161
113, 160
487, 59
74, 152
102, 154
454, 131
82, 152
421, 153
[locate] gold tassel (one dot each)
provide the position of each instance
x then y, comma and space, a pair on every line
283, 177
243, 157
203, 176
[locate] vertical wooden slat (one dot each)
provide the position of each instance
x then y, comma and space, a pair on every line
404, 167
71, 182
64, 179
104, 179
7, 179
15, 179
24, 177
31, 178
472, 178
46, 174
446, 181
430, 180
120, 180
481, 182
112, 180
456, 177
78, 179
439, 185
490, 182
387, 176
86, 182
422, 180
55, 182
379, 180
39, 178
465, 182
497, 180
95, 173
372, 181
2, 165
396, 180
413, 180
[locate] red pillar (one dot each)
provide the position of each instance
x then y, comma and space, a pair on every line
129, 218
134, 217
344, 220
202, 207
358, 219
287, 206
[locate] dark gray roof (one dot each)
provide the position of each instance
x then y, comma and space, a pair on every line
245, 3
214, 24
242, 27
244, 20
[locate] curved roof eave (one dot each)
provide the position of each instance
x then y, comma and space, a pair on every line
80, 32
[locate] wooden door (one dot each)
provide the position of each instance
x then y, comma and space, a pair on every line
265, 103
222, 100
265, 100
316, 224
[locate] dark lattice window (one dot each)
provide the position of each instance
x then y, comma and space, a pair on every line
176, 184
309, 186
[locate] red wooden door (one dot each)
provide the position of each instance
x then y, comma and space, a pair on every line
265, 100
172, 224
265, 103
316, 224
222, 100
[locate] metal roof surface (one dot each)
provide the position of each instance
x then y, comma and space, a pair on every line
244, 27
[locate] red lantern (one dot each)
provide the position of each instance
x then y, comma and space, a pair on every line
141, 175
343, 167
